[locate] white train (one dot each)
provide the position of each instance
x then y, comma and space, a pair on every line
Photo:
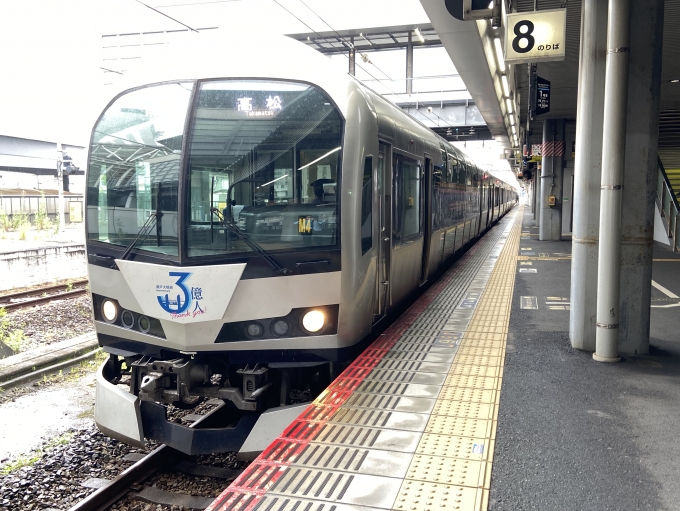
249, 221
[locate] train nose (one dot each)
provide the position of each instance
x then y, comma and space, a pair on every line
182, 295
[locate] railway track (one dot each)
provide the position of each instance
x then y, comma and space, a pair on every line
23, 299
159, 459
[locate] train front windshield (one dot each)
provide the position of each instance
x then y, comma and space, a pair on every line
259, 162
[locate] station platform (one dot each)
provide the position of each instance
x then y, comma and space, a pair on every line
473, 401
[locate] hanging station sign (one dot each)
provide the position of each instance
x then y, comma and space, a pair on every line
536, 36
542, 105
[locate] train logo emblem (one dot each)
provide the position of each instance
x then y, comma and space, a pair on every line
179, 305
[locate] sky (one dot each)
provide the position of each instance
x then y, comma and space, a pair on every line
52, 52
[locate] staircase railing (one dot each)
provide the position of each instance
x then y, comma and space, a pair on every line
669, 208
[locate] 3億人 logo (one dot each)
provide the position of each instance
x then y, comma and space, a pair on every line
180, 303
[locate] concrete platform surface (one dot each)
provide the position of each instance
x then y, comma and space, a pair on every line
574, 434
16, 366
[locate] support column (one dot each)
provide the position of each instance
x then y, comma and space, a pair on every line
550, 223
60, 187
409, 64
537, 194
611, 188
352, 57
587, 174
640, 175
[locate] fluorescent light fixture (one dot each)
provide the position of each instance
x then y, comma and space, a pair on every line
506, 86
419, 35
514, 130
512, 119
499, 54
508, 103
273, 181
320, 158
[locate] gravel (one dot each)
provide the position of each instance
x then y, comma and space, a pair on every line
53, 322
54, 481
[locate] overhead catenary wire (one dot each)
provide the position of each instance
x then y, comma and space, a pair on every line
348, 45
167, 16
329, 42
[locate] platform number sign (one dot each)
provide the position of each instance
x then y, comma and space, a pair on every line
536, 36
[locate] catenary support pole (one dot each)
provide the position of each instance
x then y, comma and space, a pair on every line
409, 64
587, 174
60, 187
640, 175
550, 224
613, 157
352, 57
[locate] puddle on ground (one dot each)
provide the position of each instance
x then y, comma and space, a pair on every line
29, 421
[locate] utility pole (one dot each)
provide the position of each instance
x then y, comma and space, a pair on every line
60, 186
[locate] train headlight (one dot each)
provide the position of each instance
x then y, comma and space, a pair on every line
109, 311
313, 321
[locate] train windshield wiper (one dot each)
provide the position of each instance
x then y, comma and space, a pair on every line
243, 237
143, 232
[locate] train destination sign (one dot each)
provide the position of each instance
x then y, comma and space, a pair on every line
537, 36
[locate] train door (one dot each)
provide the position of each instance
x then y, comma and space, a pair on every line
384, 185
426, 201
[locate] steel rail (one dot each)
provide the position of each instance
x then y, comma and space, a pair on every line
9, 306
108, 495
56, 287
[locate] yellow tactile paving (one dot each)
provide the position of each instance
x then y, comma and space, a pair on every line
466, 409
471, 381
424, 496
452, 465
467, 448
476, 370
440, 469
461, 426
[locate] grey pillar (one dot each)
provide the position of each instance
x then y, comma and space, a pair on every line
352, 57
587, 172
640, 174
537, 194
550, 223
611, 188
409, 64
532, 192
535, 191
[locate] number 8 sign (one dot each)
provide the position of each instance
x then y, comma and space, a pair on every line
536, 36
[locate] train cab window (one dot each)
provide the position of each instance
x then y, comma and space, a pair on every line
406, 199
367, 206
264, 168
133, 169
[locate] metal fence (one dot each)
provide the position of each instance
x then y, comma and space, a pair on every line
668, 205
30, 204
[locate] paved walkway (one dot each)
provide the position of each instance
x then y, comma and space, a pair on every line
574, 434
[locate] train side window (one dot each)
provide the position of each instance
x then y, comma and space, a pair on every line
367, 206
406, 204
